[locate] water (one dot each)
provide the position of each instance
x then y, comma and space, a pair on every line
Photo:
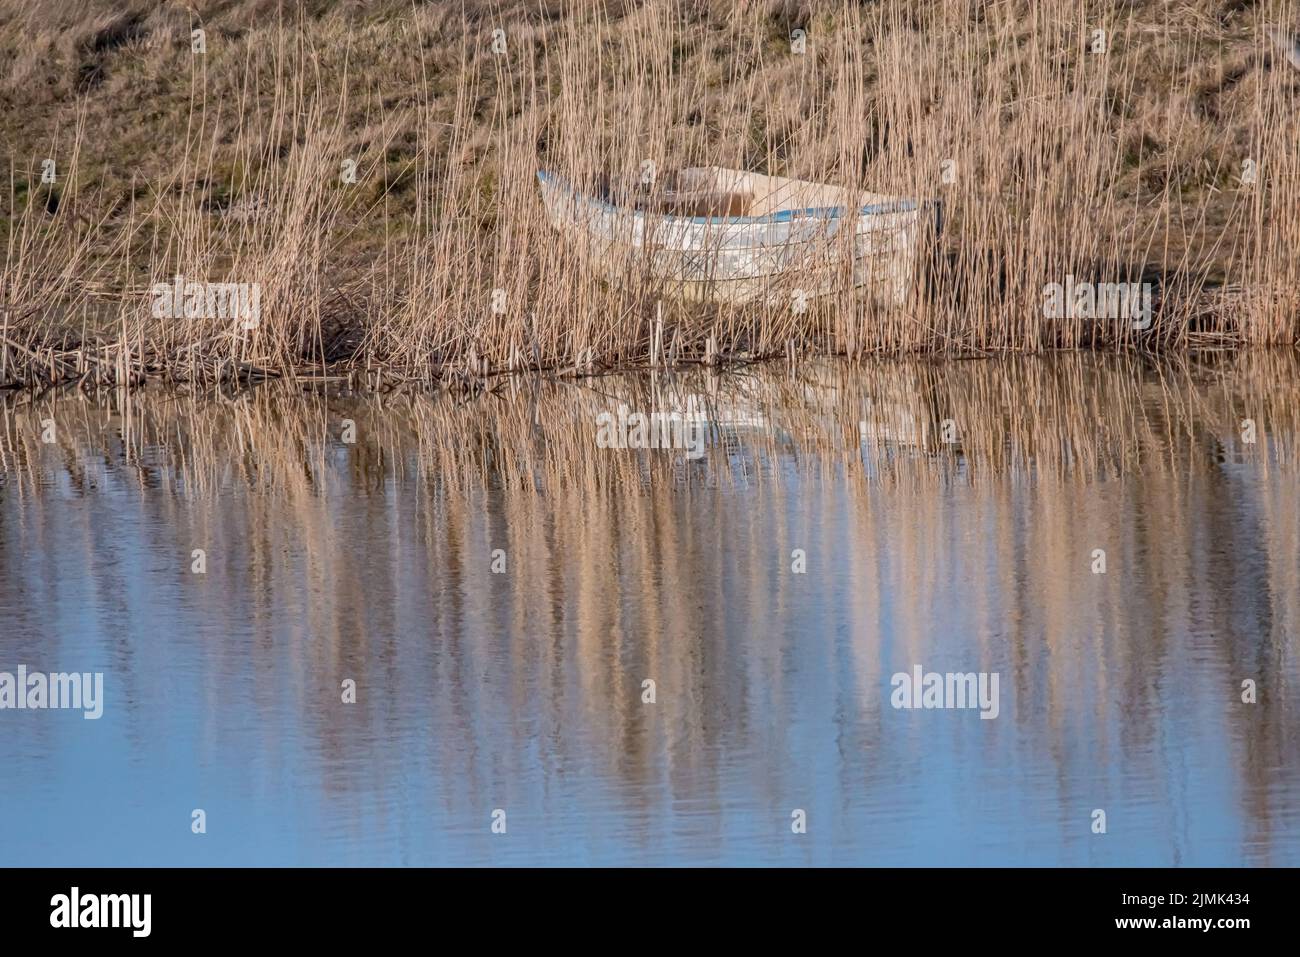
372, 560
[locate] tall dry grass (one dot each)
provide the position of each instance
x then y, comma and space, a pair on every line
1056, 151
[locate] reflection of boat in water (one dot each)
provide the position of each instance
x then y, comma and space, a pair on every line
722, 409
893, 424
820, 400
724, 235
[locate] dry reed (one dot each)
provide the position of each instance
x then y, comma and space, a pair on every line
1165, 149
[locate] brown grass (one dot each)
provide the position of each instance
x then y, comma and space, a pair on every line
225, 166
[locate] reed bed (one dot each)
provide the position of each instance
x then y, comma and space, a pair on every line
372, 172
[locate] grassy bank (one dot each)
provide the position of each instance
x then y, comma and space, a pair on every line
371, 168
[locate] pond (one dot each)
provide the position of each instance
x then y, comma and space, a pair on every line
1041, 611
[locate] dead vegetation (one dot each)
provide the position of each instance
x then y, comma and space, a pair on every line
372, 170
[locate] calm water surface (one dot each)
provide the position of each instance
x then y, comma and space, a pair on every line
948, 516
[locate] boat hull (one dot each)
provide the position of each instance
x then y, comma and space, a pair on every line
785, 254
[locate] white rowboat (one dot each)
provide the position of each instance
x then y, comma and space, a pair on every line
722, 235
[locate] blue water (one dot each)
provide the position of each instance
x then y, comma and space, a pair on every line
522, 691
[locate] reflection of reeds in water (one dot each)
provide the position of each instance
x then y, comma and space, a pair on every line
625, 565
1075, 415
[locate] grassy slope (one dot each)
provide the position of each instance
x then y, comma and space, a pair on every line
130, 67
117, 86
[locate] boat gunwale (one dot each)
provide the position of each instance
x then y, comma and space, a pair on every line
780, 216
